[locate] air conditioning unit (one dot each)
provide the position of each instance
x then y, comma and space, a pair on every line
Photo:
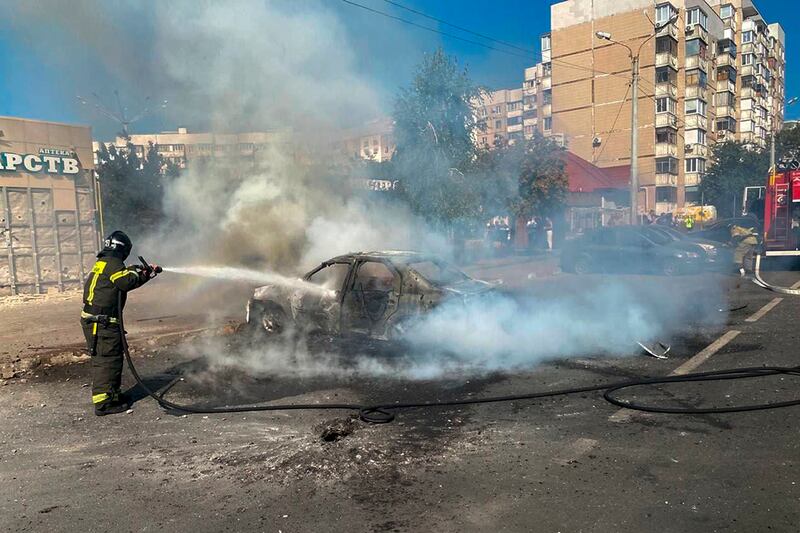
689, 28
688, 148
597, 141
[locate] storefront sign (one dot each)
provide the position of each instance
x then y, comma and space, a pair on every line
48, 161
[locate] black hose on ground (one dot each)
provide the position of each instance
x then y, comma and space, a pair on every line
385, 412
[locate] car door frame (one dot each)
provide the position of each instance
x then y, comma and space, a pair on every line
376, 327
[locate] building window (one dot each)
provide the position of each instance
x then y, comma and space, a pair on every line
667, 195
482, 112
666, 75
748, 36
696, 77
726, 73
666, 135
726, 124
697, 16
696, 47
667, 165
695, 106
498, 124
666, 45
665, 12
547, 97
725, 99
665, 105
514, 121
726, 11
747, 59
513, 106
497, 109
695, 165
546, 41
695, 137
548, 123
529, 130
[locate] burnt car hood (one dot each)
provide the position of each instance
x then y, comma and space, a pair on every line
470, 287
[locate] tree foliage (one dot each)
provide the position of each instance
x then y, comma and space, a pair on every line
131, 187
733, 167
435, 125
524, 178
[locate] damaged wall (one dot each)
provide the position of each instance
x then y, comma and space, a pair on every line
47, 212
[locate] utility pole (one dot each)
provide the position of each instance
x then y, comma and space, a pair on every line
634, 191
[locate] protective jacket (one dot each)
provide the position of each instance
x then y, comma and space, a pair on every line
109, 277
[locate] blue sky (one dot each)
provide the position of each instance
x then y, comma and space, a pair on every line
51, 52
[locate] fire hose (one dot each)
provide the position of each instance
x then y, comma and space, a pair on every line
382, 413
761, 283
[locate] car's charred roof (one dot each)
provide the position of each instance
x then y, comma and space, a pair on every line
400, 256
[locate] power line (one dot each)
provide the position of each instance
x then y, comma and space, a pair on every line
534, 56
432, 30
614, 124
467, 30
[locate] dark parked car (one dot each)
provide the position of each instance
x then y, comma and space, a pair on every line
715, 254
630, 249
367, 293
720, 231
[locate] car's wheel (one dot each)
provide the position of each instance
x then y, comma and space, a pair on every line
582, 265
671, 268
265, 318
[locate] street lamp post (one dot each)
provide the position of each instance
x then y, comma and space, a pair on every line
634, 185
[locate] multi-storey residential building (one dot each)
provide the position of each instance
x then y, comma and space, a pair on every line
500, 116
181, 146
713, 71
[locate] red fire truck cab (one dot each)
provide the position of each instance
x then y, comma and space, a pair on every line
782, 214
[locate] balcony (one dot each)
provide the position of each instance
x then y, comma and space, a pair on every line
666, 149
666, 207
666, 120
691, 179
546, 83
547, 110
726, 60
667, 59
696, 149
670, 30
694, 91
666, 89
726, 85
696, 31
747, 70
747, 48
666, 180
725, 111
696, 62
695, 121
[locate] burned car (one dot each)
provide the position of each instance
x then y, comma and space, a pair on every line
375, 294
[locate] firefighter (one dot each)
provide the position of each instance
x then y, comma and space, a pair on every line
100, 320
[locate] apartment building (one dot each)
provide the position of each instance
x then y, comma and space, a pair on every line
373, 141
714, 71
500, 117
181, 146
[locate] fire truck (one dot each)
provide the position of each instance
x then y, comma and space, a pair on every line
781, 233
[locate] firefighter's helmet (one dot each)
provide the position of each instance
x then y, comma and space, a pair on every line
118, 243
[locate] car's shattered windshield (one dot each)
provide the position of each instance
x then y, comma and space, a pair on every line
439, 273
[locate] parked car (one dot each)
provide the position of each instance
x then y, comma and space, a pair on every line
715, 254
630, 249
720, 231
375, 294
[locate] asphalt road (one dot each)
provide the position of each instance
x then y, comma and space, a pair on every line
569, 464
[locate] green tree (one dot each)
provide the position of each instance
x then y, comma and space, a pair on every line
524, 178
435, 125
733, 167
132, 187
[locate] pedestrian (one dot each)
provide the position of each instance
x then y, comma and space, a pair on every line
689, 222
109, 279
548, 231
